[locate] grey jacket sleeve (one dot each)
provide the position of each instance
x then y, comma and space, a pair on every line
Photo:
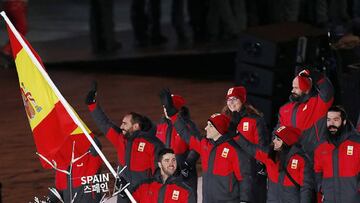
102, 121
307, 189
246, 183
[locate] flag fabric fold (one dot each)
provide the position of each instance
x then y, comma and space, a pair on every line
53, 128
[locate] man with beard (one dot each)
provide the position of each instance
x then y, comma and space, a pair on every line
337, 160
311, 97
134, 141
166, 185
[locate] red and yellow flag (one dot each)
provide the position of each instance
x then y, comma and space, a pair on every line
53, 128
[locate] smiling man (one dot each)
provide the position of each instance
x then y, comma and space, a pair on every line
166, 185
337, 160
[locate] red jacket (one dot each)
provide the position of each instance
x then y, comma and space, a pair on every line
280, 186
337, 167
168, 135
226, 168
253, 128
88, 165
154, 191
309, 114
138, 152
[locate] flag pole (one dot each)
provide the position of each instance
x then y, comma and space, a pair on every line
62, 99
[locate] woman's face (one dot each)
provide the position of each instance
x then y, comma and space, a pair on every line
234, 104
277, 143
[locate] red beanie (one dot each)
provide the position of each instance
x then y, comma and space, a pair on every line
178, 101
238, 92
304, 83
288, 134
220, 122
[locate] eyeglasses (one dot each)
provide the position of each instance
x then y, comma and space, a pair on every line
231, 99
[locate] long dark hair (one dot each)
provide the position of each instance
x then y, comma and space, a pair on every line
279, 155
250, 109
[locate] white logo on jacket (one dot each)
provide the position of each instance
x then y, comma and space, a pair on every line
246, 126
350, 150
294, 164
175, 195
305, 107
141, 146
225, 152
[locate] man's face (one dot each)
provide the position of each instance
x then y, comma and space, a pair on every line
234, 104
168, 164
127, 126
211, 132
296, 92
334, 122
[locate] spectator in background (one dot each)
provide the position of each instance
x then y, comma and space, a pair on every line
166, 185
337, 159
145, 19
16, 10
102, 33
178, 20
174, 105
252, 126
221, 20
198, 10
331, 12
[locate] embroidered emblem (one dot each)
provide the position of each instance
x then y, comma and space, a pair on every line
141, 146
175, 195
350, 150
294, 164
230, 91
246, 126
225, 152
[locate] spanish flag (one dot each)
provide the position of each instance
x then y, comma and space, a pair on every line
53, 128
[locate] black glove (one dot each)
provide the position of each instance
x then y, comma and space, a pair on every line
121, 184
91, 96
185, 169
184, 113
315, 76
166, 100
234, 121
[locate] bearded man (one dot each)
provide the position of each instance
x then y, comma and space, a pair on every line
337, 160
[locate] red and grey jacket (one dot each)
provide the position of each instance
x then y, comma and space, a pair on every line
309, 114
226, 168
280, 186
253, 128
138, 152
154, 190
337, 167
88, 165
171, 139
